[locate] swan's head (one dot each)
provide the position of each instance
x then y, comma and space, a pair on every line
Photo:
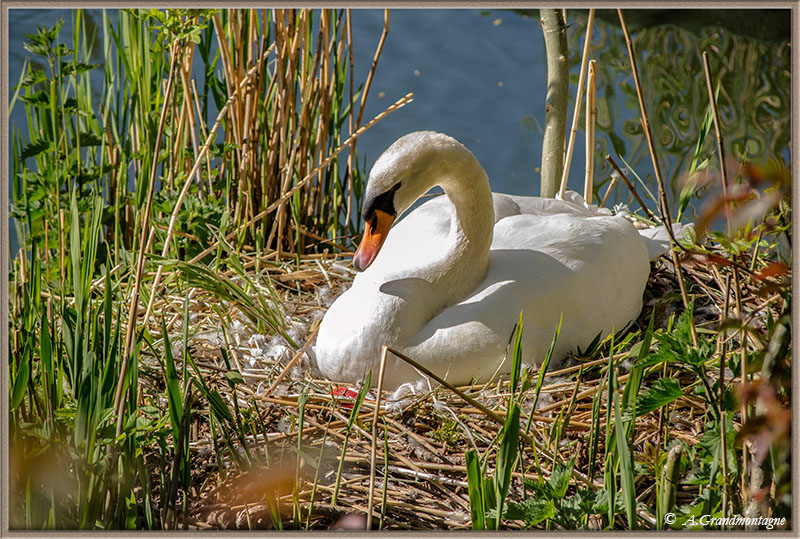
408, 169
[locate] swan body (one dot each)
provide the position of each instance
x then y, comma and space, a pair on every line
447, 283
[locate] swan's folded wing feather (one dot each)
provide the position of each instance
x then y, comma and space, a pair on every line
573, 204
657, 238
591, 271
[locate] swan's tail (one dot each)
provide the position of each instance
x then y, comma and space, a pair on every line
657, 238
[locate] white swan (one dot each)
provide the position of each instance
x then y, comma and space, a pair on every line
446, 284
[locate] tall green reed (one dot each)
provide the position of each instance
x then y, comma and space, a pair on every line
81, 171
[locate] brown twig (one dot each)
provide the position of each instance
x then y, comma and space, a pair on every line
375, 59
591, 119
665, 211
370, 500
631, 188
577, 112
310, 176
611, 185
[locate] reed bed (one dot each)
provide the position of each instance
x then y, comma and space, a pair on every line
214, 129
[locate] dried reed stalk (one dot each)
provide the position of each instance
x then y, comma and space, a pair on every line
665, 212
381, 371
611, 185
591, 119
577, 112
737, 284
198, 162
364, 93
311, 175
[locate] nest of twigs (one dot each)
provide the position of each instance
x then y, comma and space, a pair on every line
271, 474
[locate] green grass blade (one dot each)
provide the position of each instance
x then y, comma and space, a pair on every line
350, 422
542, 372
475, 489
174, 396
362, 393
623, 453
506, 458
516, 362
20, 382
641, 181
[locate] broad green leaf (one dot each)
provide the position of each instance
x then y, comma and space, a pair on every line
507, 455
532, 511
218, 405
559, 479
662, 392
76, 68
35, 147
30, 77
234, 377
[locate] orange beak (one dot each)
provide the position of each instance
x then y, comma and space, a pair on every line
375, 233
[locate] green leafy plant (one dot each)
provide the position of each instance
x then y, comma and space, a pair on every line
548, 501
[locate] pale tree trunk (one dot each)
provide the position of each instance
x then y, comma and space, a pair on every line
555, 41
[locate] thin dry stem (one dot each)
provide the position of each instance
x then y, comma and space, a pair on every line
577, 112
665, 211
591, 119
373, 449
611, 185
630, 187
717, 130
292, 362
142, 241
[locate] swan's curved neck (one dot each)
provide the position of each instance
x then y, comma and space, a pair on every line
464, 264
472, 224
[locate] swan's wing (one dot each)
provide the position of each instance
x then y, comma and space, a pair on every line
572, 205
571, 240
592, 271
657, 239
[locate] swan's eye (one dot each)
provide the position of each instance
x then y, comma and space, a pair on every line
383, 202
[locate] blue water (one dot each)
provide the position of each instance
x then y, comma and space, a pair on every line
480, 76
477, 76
